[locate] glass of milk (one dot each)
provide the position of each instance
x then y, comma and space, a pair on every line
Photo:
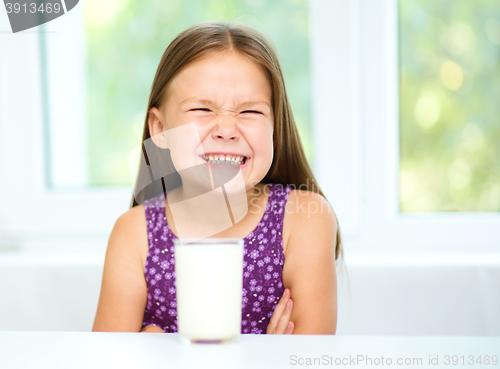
209, 278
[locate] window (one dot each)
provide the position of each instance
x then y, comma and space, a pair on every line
125, 41
449, 53
367, 126
357, 100
88, 80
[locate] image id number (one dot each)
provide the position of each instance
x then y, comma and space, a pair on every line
32, 8
470, 360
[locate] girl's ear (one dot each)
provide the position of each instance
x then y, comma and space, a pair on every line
157, 128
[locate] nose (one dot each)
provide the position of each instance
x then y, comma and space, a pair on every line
226, 130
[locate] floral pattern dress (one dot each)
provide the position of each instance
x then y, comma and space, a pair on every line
263, 262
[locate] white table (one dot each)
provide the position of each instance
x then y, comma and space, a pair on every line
142, 350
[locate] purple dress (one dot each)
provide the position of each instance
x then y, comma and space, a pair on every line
263, 261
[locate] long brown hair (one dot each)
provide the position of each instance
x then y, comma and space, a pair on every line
289, 166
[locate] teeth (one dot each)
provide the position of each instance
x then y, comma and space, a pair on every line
222, 159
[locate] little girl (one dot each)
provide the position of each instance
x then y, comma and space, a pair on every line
226, 79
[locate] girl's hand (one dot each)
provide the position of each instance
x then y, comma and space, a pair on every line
152, 329
280, 321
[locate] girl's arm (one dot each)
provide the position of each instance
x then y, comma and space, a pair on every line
152, 329
309, 269
124, 291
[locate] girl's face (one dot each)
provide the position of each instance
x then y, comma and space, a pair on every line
228, 97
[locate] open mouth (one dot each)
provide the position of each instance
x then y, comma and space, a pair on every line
228, 159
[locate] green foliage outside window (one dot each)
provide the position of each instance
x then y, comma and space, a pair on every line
449, 105
125, 41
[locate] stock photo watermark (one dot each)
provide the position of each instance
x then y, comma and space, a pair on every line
26, 14
206, 191
366, 360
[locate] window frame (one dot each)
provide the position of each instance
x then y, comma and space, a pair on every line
359, 170
80, 218
354, 72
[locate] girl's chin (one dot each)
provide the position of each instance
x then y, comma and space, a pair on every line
231, 185
231, 189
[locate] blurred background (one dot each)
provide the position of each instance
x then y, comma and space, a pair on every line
449, 88
397, 104
118, 91
449, 78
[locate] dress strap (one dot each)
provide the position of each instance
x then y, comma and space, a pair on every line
155, 215
275, 211
278, 197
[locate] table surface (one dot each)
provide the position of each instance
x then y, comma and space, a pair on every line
147, 350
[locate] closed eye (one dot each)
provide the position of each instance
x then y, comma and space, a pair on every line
252, 111
200, 109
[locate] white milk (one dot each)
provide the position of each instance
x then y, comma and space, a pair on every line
209, 277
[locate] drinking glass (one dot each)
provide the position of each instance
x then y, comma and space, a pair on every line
209, 278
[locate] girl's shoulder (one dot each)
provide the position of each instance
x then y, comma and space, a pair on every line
133, 218
130, 232
304, 205
305, 213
